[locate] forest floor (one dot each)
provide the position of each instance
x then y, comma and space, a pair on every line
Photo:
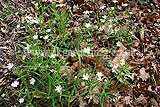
126, 33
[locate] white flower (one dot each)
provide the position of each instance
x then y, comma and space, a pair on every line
32, 81
102, 20
46, 37
29, 17
3, 95
53, 56
99, 74
85, 77
87, 25
36, 4
27, 47
14, 106
101, 28
87, 50
99, 78
58, 88
114, 1
115, 29
86, 12
48, 30
114, 68
10, 65
21, 100
32, 21
130, 13
118, 43
35, 36
110, 26
123, 61
42, 54
112, 8
125, 4
96, 27
102, 7
18, 26
15, 84
104, 17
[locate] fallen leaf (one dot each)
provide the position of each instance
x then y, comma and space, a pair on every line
143, 74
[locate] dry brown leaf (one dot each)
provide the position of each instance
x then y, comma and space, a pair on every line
123, 54
143, 74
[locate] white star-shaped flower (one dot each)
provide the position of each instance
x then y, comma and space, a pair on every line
110, 26
114, 1
102, 7
15, 84
125, 5
87, 25
58, 88
104, 17
21, 100
130, 12
14, 106
99, 78
9, 66
123, 61
48, 30
3, 95
86, 12
112, 8
99, 74
28, 17
46, 37
87, 50
85, 77
101, 28
118, 43
27, 47
96, 26
114, 68
18, 26
32, 81
102, 20
35, 36
53, 55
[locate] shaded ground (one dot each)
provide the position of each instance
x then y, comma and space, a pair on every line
145, 89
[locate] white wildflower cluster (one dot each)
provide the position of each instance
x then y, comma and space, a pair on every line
48, 30
31, 20
114, 1
35, 36
21, 100
85, 77
87, 50
27, 47
87, 25
15, 84
125, 5
99, 75
3, 95
86, 12
46, 37
53, 55
118, 43
102, 7
58, 88
114, 68
9, 66
32, 81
